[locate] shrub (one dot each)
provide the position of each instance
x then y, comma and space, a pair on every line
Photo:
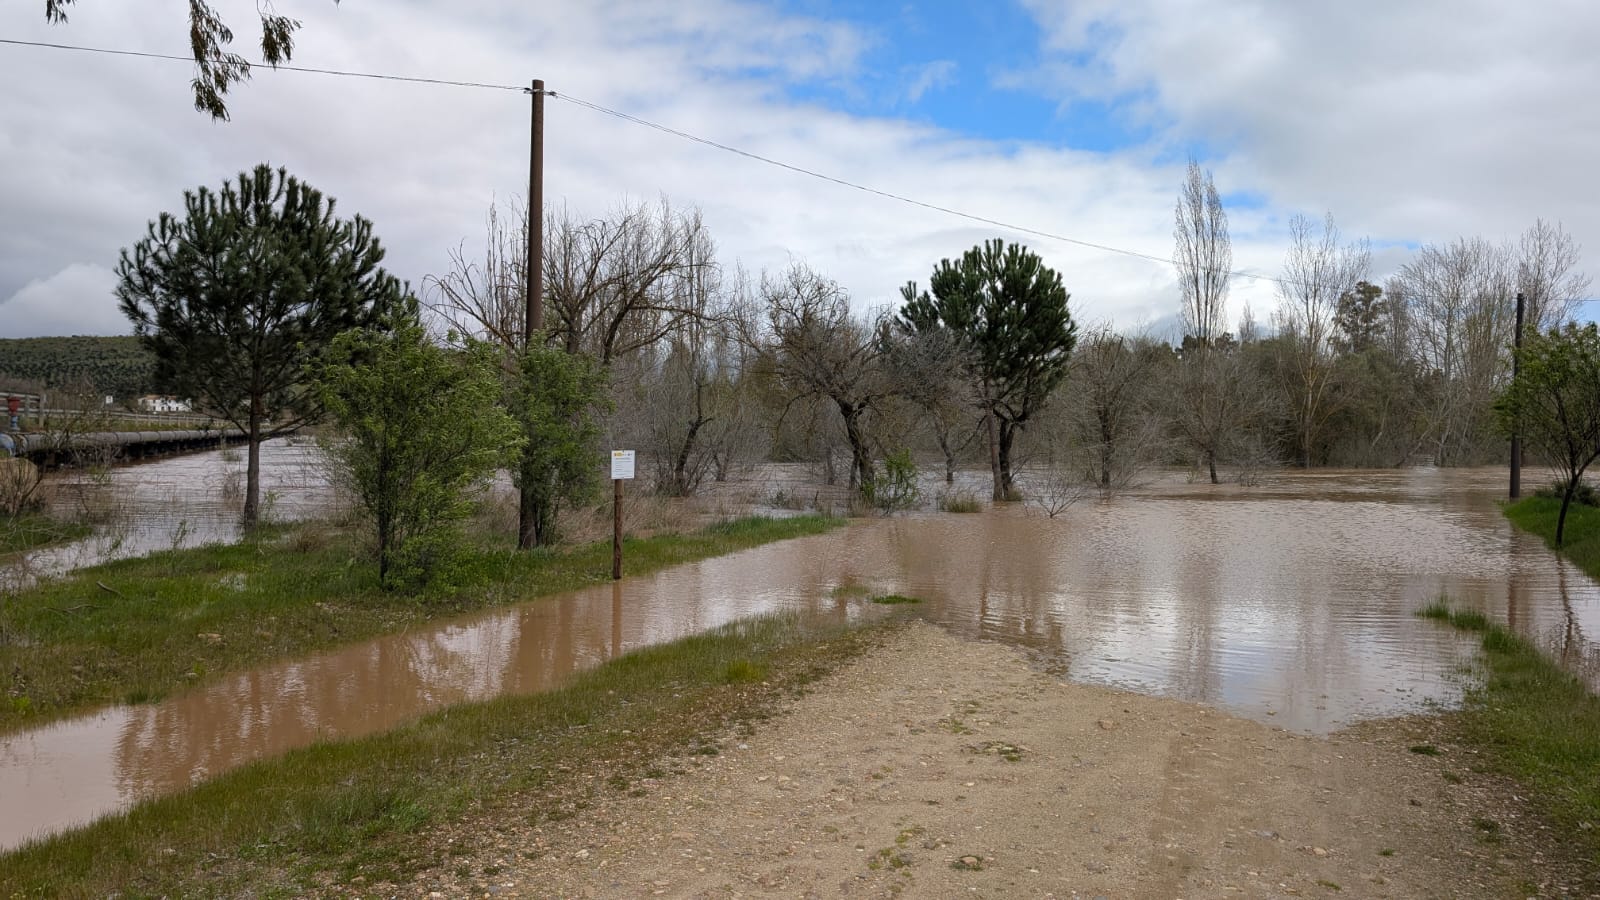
897, 488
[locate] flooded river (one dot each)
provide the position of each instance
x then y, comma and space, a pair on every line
1291, 603
182, 501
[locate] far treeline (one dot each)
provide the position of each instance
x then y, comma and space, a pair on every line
652, 342
119, 367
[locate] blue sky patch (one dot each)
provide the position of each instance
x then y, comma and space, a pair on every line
939, 62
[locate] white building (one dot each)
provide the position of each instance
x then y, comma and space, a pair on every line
153, 403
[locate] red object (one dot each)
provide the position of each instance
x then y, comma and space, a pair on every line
14, 405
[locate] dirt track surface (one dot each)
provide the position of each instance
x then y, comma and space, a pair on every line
938, 767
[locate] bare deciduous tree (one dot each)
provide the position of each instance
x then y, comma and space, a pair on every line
1548, 276
929, 370
1459, 310
1112, 416
820, 350
622, 283
1215, 402
1316, 273
485, 300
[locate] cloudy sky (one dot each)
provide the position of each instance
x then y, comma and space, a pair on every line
1411, 123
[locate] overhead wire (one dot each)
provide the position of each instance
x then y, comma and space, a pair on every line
1023, 229
683, 135
280, 67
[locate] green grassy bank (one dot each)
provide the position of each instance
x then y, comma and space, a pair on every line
1538, 515
371, 808
1537, 723
136, 630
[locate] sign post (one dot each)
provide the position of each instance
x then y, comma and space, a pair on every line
621, 470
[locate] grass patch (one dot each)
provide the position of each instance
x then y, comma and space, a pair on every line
31, 530
378, 806
892, 599
962, 501
1539, 724
743, 671
137, 630
1464, 619
1582, 539
1425, 750
1438, 609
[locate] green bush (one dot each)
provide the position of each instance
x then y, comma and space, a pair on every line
897, 488
1585, 495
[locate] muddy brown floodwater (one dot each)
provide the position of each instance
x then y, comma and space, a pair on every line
1291, 603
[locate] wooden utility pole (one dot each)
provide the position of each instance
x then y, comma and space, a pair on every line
533, 319
1516, 437
533, 283
616, 528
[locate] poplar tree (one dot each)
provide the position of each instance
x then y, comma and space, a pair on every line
1008, 312
238, 295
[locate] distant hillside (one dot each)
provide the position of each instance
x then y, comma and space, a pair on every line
113, 365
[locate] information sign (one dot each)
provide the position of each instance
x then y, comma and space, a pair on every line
621, 464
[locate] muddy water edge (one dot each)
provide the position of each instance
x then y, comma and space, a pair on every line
1290, 603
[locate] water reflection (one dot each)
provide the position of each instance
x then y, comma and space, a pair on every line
1293, 604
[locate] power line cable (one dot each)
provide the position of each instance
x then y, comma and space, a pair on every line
974, 217
872, 190
909, 200
684, 135
278, 68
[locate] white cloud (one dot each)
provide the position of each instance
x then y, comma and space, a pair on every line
1398, 123
929, 76
75, 300
1413, 122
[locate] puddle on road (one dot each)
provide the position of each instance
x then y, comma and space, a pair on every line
1290, 603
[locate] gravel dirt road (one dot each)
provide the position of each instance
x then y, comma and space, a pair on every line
941, 767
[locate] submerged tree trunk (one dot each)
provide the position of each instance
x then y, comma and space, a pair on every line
1211, 464
994, 456
949, 455
1566, 501
860, 454
527, 517
680, 465
1107, 436
252, 470
1008, 484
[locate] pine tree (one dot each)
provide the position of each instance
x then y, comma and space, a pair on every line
1008, 312
235, 298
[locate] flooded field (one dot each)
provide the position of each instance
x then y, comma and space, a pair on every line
1291, 603
182, 501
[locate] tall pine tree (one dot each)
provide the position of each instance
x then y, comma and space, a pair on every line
236, 297
1008, 312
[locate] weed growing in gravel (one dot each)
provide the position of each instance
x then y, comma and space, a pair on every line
967, 864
